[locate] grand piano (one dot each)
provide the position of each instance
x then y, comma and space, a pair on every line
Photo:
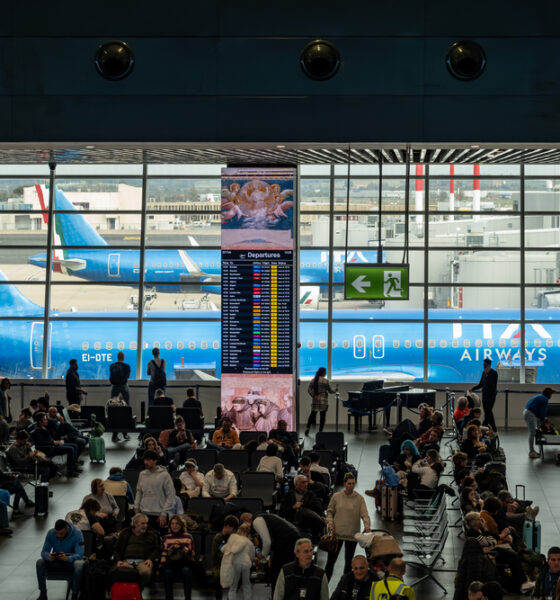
374, 396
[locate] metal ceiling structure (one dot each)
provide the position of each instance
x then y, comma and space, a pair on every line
273, 154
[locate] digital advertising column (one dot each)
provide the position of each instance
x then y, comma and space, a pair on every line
258, 307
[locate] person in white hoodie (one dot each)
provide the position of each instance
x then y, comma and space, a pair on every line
239, 554
155, 492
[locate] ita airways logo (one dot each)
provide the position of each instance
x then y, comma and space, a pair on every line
392, 284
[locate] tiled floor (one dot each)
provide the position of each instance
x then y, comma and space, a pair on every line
19, 553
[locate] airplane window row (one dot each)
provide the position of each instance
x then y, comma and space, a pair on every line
359, 342
191, 345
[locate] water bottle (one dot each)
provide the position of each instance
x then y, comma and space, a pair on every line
286, 487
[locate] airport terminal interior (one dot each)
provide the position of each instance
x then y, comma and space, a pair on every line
106, 251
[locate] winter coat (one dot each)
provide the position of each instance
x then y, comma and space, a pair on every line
474, 565
238, 549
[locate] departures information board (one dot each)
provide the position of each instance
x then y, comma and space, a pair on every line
257, 306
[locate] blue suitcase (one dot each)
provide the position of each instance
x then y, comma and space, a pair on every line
532, 535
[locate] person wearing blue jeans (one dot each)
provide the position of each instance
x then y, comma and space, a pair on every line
63, 552
4, 501
534, 413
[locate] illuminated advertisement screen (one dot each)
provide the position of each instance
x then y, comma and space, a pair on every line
257, 297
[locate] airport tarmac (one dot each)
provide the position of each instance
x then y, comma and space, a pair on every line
84, 296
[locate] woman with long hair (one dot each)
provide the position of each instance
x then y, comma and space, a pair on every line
177, 554
319, 389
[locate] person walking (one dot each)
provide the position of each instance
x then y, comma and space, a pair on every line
74, 389
158, 378
319, 389
344, 513
119, 374
489, 385
534, 413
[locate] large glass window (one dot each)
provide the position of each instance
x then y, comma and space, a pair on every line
475, 236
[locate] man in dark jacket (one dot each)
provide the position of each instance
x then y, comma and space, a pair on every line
547, 582
489, 385
138, 547
474, 565
303, 508
74, 389
301, 579
44, 441
355, 585
119, 374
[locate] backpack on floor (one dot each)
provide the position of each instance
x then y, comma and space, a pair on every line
342, 468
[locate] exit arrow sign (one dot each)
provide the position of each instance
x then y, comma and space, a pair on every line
375, 281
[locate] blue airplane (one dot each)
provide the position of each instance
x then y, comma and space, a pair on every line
105, 264
377, 349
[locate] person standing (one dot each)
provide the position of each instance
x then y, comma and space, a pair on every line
393, 584
155, 492
158, 378
489, 385
239, 554
534, 413
74, 389
319, 389
301, 579
119, 374
344, 513
5, 413
63, 552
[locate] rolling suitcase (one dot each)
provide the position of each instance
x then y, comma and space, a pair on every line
41, 499
532, 535
389, 503
96, 449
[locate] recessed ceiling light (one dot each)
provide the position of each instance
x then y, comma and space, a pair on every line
90, 147
475, 146
280, 146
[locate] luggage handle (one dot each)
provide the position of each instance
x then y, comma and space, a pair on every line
520, 485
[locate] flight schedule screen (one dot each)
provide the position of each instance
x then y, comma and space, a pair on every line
257, 308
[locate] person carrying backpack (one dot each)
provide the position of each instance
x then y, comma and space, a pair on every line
158, 378
119, 374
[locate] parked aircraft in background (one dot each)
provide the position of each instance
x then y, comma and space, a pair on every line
374, 349
168, 268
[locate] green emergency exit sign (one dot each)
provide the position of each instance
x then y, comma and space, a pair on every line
375, 282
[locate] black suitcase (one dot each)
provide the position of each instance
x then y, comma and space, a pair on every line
41, 499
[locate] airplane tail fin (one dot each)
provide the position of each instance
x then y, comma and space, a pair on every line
14, 303
70, 228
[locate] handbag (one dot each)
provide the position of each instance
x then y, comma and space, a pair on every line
329, 543
177, 558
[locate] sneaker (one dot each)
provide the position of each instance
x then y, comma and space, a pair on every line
534, 454
373, 493
16, 514
527, 587
307, 432
126, 436
29, 504
42, 596
5, 531
115, 438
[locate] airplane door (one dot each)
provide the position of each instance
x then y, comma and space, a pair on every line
113, 266
36, 346
378, 346
359, 346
